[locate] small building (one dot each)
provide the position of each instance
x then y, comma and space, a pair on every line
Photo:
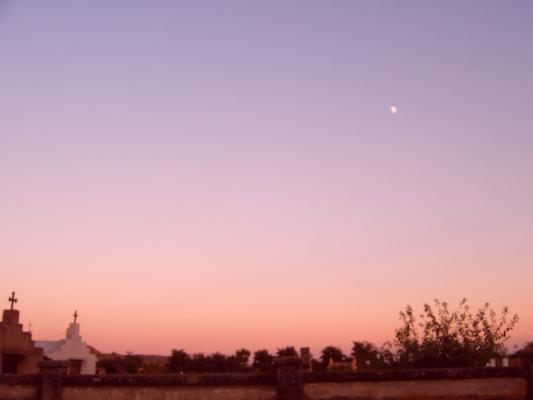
506, 362
18, 353
72, 349
342, 365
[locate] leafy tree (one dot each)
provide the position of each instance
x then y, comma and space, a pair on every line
132, 363
200, 363
442, 338
288, 351
153, 368
525, 352
367, 355
110, 365
386, 356
218, 362
263, 361
243, 355
179, 361
333, 353
239, 361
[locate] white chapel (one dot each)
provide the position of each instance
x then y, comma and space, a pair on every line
72, 349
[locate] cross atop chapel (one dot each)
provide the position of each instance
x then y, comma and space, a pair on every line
12, 300
75, 316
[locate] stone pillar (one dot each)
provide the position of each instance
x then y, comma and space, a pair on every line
529, 366
51, 374
307, 359
289, 377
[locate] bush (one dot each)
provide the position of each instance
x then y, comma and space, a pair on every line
442, 338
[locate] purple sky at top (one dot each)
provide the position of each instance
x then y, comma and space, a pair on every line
215, 174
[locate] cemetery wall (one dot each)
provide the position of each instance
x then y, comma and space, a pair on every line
453, 384
289, 382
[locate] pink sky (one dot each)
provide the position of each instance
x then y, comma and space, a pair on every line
211, 177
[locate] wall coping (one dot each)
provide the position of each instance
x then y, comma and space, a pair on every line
253, 379
415, 374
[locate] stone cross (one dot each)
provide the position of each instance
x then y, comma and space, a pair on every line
75, 316
12, 299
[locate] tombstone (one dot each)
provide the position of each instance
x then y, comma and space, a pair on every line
18, 354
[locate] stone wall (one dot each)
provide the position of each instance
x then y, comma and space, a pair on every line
290, 382
19, 387
456, 384
170, 387
515, 389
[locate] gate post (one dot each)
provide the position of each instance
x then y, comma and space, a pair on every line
529, 367
289, 377
51, 374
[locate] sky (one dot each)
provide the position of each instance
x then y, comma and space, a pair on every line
213, 175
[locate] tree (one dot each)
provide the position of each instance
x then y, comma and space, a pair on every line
110, 365
179, 361
263, 361
442, 338
153, 368
199, 363
525, 352
331, 353
367, 355
242, 356
387, 357
288, 351
132, 363
218, 362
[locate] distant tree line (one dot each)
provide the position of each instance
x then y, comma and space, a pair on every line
180, 361
117, 364
436, 338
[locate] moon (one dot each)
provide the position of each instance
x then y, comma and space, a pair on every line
393, 109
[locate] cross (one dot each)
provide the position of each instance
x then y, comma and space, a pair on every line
75, 316
12, 299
